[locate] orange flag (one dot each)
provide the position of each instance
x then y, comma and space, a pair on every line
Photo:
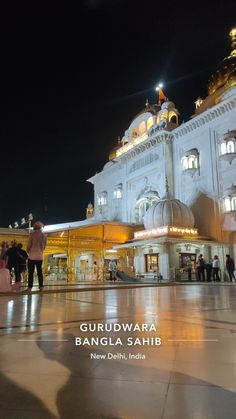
162, 96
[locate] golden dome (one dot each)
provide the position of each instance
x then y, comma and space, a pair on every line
225, 74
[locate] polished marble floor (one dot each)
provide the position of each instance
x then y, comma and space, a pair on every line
191, 375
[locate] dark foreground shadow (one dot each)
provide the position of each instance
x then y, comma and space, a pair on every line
113, 389
17, 403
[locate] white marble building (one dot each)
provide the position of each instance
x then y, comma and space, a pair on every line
198, 158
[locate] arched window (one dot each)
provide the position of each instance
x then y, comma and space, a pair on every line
192, 162
142, 127
230, 147
227, 204
144, 203
149, 122
173, 118
223, 148
117, 193
102, 198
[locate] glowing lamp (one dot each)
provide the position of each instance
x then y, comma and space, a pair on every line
160, 86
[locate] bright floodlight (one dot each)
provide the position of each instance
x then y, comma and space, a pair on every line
160, 85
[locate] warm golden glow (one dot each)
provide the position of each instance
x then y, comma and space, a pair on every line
166, 230
128, 146
233, 32
164, 115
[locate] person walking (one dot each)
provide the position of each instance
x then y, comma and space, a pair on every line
35, 247
216, 268
112, 268
230, 266
201, 268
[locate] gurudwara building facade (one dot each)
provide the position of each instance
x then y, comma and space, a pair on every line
168, 191
178, 180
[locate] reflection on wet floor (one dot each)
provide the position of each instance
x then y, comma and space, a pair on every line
192, 374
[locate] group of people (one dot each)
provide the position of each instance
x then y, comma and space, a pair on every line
15, 257
207, 271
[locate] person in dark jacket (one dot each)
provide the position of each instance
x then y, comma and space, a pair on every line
230, 266
13, 261
201, 268
22, 259
208, 267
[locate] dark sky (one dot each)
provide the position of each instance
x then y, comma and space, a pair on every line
74, 74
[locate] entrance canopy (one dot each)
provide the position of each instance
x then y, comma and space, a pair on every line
163, 240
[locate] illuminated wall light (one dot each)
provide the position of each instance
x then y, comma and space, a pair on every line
180, 231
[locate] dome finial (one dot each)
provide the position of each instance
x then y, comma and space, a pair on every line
167, 185
232, 34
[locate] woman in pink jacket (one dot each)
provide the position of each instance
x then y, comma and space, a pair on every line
35, 247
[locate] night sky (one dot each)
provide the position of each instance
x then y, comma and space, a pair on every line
73, 76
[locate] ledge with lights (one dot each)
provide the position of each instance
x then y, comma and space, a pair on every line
171, 231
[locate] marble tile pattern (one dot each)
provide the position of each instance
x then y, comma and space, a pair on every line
191, 375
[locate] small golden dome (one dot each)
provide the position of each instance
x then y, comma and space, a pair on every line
226, 71
112, 154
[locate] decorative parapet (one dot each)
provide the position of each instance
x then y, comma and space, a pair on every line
150, 141
205, 117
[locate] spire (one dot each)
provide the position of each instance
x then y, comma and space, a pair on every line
232, 34
147, 103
